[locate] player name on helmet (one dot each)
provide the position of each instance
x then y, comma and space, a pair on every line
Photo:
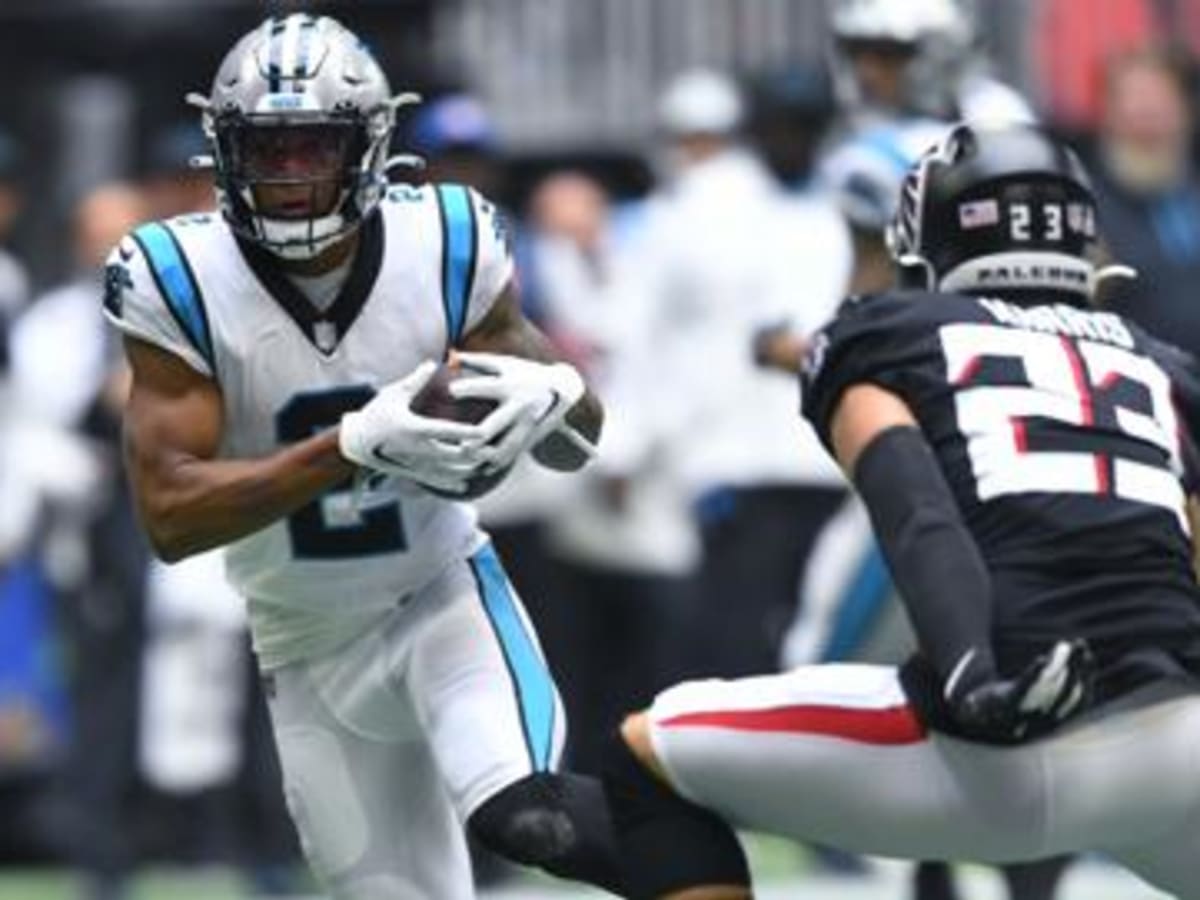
1061, 319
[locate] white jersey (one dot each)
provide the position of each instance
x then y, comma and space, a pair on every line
429, 266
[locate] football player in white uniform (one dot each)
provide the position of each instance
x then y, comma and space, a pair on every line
275, 349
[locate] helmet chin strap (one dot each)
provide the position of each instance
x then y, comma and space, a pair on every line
1104, 273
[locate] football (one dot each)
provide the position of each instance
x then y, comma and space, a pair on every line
435, 401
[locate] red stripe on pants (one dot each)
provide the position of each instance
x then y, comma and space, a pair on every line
892, 725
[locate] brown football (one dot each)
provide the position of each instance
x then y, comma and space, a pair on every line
435, 401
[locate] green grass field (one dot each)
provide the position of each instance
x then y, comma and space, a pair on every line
779, 865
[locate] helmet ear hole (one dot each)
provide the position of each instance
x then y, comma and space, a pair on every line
914, 275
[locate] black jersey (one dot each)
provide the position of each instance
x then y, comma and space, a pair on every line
1059, 431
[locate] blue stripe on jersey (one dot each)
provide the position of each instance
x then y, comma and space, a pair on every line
886, 143
460, 245
535, 690
859, 608
177, 284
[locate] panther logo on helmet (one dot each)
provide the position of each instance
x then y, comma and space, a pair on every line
299, 118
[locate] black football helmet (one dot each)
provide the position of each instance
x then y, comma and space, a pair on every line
996, 209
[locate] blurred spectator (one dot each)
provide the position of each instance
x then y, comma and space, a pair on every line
723, 254
33, 708
458, 139
204, 749
14, 283
68, 384
1072, 39
621, 533
1148, 193
790, 111
172, 185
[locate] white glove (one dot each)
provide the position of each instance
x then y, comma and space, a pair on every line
534, 400
387, 436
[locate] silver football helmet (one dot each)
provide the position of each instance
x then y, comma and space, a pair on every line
299, 120
936, 36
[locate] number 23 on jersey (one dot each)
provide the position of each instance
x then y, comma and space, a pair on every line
1105, 413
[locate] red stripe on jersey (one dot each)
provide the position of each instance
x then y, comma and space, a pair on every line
1086, 411
1020, 438
892, 725
966, 374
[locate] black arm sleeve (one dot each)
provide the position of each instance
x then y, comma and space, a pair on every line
934, 560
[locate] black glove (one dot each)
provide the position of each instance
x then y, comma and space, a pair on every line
1050, 690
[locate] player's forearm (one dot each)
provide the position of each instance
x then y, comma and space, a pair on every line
190, 505
934, 561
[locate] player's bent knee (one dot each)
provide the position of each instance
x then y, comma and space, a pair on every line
557, 822
669, 846
525, 822
635, 732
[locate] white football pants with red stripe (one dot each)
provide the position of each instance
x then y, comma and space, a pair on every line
834, 754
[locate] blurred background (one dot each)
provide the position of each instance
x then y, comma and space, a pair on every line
693, 185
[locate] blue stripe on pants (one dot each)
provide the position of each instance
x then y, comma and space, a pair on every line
535, 689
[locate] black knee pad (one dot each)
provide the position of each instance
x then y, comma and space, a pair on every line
666, 843
557, 822
526, 822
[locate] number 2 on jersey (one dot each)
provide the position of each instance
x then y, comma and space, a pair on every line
1073, 382
327, 528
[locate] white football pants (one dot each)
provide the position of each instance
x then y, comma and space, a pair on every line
391, 743
834, 754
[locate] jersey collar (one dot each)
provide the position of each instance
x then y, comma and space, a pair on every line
323, 328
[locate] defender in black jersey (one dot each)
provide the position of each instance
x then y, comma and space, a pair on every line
1022, 456
1057, 432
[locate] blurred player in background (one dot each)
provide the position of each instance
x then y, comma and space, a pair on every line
1019, 455
275, 351
717, 258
